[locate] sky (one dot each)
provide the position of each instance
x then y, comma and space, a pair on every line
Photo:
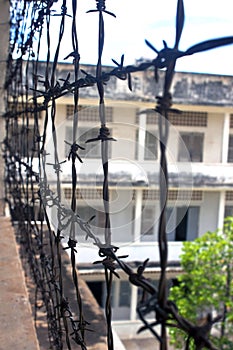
153, 20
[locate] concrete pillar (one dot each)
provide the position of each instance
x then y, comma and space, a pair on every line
221, 209
116, 293
141, 136
225, 137
133, 305
138, 215
4, 34
138, 193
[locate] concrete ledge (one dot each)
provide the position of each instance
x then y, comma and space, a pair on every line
16, 323
17, 329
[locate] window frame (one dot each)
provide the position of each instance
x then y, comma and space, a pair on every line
153, 154
150, 211
228, 209
230, 149
93, 149
182, 157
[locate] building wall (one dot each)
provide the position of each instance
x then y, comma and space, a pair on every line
200, 187
214, 138
129, 129
209, 212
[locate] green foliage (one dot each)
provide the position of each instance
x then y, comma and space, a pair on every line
206, 286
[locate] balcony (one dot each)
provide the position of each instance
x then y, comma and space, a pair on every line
126, 173
137, 251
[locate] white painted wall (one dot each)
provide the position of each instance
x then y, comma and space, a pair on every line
122, 221
213, 138
123, 152
209, 212
124, 132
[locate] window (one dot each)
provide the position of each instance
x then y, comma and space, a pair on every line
24, 140
150, 150
25, 110
229, 196
120, 297
228, 211
27, 142
189, 118
98, 289
182, 223
230, 149
92, 149
98, 223
121, 300
89, 113
194, 147
151, 146
84, 193
125, 294
148, 221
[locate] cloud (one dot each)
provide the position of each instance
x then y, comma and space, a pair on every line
153, 20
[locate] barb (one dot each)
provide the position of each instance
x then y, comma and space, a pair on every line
100, 5
73, 151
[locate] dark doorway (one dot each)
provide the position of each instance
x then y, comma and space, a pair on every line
187, 220
97, 290
182, 220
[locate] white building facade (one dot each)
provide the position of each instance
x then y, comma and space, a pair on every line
200, 167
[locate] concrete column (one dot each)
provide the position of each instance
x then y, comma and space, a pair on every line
4, 34
138, 215
141, 136
133, 305
116, 293
221, 209
225, 137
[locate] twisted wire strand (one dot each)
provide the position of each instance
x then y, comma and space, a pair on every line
48, 274
42, 244
104, 156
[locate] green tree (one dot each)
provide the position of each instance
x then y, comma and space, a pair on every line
206, 287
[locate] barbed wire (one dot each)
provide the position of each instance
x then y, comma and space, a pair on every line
28, 94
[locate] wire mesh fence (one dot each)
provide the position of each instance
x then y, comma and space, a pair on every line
32, 93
